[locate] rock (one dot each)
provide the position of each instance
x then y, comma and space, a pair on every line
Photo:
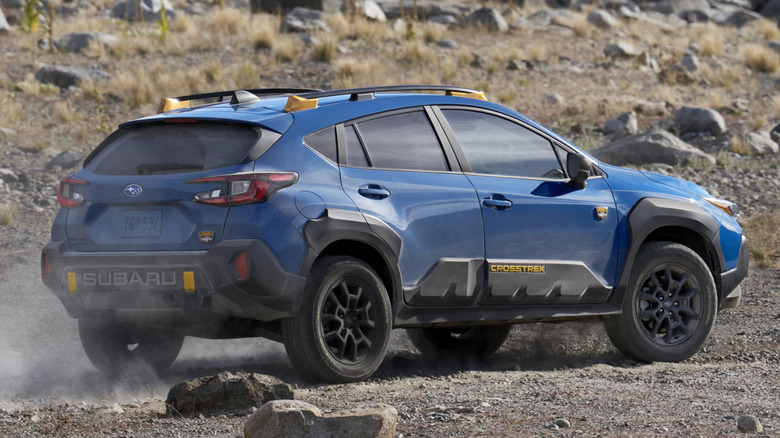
150, 10
7, 175
489, 19
771, 10
369, 9
624, 125
551, 16
304, 20
517, 65
749, 423
602, 19
277, 6
7, 134
66, 160
760, 143
65, 76
447, 44
676, 74
225, 393
4, 26
297, 419
562, 423
78, 41
553, 98
692, 11
774, 134
654, 146
477, 61
694, 119
425, 9
621, 50
741, 17
690, 62
446, 19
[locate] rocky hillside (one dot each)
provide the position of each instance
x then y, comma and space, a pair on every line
684, 87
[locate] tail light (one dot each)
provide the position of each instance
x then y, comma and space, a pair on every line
66, 195
243, 188
45, 266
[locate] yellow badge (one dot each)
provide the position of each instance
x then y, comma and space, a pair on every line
206, 236
601, 212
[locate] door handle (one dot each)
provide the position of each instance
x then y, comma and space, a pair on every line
497, 202
373, 191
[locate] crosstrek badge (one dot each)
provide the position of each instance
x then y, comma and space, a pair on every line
206, 236
601, 212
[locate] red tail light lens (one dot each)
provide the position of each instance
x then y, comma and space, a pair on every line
243, 188
45, 267
67, 196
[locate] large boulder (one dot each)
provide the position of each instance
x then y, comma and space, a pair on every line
297, 419
65, 76
621, 126
369, 9
488, 18
759, 143
695, 119
225, 393
655, 146
150, 10
425, 9
77, 42
304, 20
277, 6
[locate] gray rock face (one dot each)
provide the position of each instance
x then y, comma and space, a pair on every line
281, 6
150, 10
761, 143
65, 76
225, 393
602, 19
621, 50
690, 62
425, 9
655, 146
304, 20
695, 119
749, 423
771, 9
488, 18
621, 126
297, 419
369, 9
66, 160
78, 41
4, 27
692, 10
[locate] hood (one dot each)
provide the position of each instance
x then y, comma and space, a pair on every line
677, 183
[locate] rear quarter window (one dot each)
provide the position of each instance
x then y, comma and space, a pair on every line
175, 148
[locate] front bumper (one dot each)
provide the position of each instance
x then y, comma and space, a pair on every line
730, 291
95, 282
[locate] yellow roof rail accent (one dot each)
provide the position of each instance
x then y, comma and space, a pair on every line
297, 103
475, 95
170, 103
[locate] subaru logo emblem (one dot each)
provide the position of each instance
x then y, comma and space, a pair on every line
133, 190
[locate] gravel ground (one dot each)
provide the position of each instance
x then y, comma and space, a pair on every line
567, 373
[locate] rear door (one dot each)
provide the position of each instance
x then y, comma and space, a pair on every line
394, 168
137, 193
545, 243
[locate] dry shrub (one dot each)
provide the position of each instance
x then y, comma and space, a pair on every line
359, 29
729, 77
326, 48
415, 53
10, 110
758, 121
140, 87
760, 58
64, 112
539, 51
263, 32
764, 239
212, 72
433, 32
287, 48
226, 22
579, 24
740, 146
8, 214
711, 44
766, 29
350, 67
246, 76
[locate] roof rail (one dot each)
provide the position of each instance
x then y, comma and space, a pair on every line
360, 93
235, 96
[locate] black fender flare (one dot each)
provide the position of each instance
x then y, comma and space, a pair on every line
337, 225
651, 214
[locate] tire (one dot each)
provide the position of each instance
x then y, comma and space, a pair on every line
464, 342
115, 348
342, 330
669, 308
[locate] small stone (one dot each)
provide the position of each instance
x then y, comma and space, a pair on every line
8, 175
602, 19
621, 50
563, 423
447, 44
749, 423
553, 98
65, 160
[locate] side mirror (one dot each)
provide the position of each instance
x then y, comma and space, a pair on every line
579, 169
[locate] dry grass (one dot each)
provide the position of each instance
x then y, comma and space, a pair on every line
728, 77
760, 58
433, 32
766, 29
764, 239
288, 48
326, 48
415, 53
64, 112
758, 121
739, 145
11, 110
8, 214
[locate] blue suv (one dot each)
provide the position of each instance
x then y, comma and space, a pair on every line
325, 219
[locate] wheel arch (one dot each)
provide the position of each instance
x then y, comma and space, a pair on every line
352, 234
660, 219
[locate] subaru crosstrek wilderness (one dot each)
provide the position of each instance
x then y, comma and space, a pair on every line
325, 219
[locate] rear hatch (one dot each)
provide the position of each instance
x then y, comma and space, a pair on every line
137, 189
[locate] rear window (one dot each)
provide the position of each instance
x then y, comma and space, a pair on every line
174, 148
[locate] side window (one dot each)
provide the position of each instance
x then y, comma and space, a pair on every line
324, 142
402, 141
497, 146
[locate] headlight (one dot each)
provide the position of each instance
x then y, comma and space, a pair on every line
727, 206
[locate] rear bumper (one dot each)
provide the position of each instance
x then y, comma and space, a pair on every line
730, 292
207, 280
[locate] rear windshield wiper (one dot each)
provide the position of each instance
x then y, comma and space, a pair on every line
164, 167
